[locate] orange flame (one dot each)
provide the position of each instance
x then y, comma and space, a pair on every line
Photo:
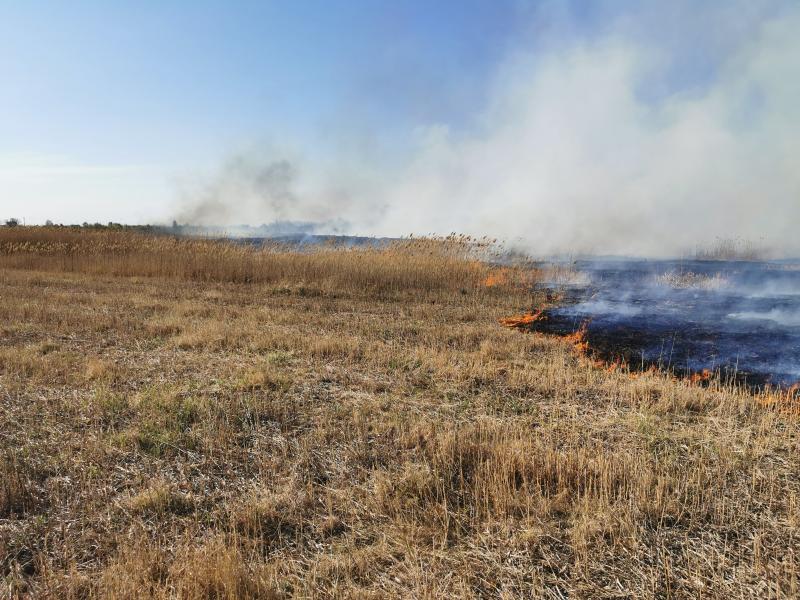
495, 278
611, 367
787, 402
578, 339
521, 321
704, 375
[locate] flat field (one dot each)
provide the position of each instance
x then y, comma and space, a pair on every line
195, 419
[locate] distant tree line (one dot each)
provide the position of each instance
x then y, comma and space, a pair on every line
14, 222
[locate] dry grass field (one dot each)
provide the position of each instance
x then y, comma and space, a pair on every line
194, 419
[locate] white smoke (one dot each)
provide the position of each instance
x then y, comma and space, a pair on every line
573, 160
572, 155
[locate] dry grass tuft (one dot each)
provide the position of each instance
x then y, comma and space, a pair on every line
17, 490
159, 498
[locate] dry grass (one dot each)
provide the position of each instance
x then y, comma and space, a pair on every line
179, 433
437, 265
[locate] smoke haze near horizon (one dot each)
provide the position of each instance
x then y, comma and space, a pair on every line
578, 149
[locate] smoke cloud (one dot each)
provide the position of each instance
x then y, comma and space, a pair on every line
266, 186
607, 144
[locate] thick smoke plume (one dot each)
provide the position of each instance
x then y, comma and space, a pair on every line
599, 145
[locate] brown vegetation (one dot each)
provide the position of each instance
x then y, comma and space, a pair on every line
195, 419
421, 265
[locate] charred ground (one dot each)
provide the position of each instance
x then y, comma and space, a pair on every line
735, 321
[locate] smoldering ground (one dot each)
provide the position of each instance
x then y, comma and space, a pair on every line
739, 319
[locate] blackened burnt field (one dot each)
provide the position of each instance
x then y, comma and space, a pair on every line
738, 320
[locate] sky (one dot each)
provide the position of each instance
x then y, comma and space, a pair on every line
619, 126
105, 104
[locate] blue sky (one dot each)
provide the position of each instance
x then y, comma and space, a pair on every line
131, 92
167, 81
160, 86
108, 109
